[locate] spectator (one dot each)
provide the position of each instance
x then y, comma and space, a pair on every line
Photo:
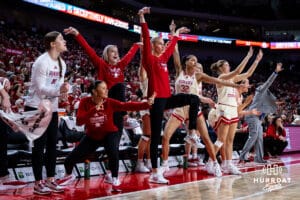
275, 140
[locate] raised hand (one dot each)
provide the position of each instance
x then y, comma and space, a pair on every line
145, 10
172, 27
182, 30
259, 55
140, 44
250, 52
71, 30
278, 67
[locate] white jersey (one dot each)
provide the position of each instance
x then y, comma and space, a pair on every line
144, 87
186, 84
227, 96
45, 81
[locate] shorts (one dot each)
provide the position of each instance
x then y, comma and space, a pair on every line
182, 113
223, 114
144, 112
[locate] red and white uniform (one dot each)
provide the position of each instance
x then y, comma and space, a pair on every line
99, 123
111, 74
226, 110
188, 85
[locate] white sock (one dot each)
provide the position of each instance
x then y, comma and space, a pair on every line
164, 162
194, 155
225, 163
140, 160
190, 156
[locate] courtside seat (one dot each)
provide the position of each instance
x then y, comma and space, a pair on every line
25, 157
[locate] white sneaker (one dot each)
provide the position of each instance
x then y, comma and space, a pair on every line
209, 167
148, 164
232, 169
158, 178
54, 187
116, 181
41, 189
67, 180
224, 168
198, 144
192, 162
140, 167
199, 162
188, 139
217, 170
164, 167
108, 179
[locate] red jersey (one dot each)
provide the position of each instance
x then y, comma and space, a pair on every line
111, 74
98, 123
156, 67
271, 132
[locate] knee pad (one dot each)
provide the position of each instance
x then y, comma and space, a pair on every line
146, 138
218, 143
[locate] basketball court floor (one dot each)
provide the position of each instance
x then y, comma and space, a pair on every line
279, 179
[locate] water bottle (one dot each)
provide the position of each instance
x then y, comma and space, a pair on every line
86, 169
185, 162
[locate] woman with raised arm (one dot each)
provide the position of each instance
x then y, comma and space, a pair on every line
227, 107
154, 61
110, 69
189, 77
265, 102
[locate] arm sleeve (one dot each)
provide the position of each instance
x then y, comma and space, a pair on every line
83, 114
147, 54
128, 106
268, 83
96, 60
169, 49
128, 57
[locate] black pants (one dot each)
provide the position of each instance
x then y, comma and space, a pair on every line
3, 149
274, 146
118, 92
48, 140
156, 118
88, 145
